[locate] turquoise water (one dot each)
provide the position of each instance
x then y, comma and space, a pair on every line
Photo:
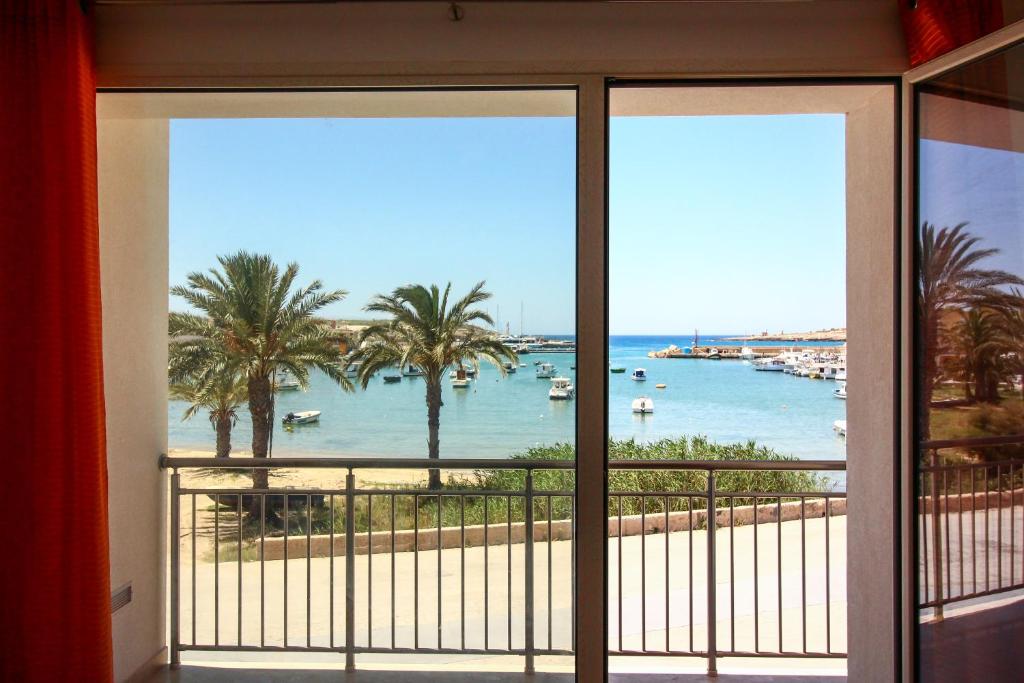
726, 400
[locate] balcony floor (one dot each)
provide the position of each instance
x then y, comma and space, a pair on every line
205, 674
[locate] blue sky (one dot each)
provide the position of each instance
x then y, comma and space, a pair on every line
730, 224
979, 186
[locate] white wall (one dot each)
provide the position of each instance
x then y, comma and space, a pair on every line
133, 263
872, 465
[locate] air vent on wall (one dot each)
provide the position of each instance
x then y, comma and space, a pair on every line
120, 597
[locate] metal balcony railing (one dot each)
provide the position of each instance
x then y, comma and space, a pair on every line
969, 518
463, 570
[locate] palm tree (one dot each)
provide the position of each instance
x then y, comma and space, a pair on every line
979, 344
949, 277
222, 395
252, 314
425, 333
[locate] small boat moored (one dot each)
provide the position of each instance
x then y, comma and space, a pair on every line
643, 405
714, 354
747, 353
288, 383
392, 379
301, 417
545, 371
616, 369
460, 380
411, 370
840, 391
639, 375
561, 389
840, 427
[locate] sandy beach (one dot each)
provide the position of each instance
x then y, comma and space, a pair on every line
294, 477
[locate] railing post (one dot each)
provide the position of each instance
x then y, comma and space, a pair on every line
712, 526
937, 534
175, 570
350, 571
528, 573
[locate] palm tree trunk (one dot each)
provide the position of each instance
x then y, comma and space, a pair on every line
259, 410
929, 368
223, 427
433, 427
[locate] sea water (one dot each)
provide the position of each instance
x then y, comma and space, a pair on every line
727, 401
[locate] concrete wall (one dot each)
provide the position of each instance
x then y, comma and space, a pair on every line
322, 44
133, 261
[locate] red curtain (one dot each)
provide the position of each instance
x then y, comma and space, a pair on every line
54, 569
934, 27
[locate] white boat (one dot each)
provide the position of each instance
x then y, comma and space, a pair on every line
840, 427
841, 374
288, 383
643, 405
459, 379
352, 370
561, 389
840, 391
545, 371
509, 366
714, 354
639, 375
747, 353
410, 370
770, 365
301, 417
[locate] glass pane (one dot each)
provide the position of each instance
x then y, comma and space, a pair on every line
970, 349
727, 317
374, 277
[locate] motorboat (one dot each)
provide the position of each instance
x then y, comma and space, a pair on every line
352, 370
301, 417
747, 353
617, 369
561, 389
410, 370
840, 391
545, 371
460, 380
841, 374
639, 375
770, 365
509, 366
392, 379
643, 405
288, 383
840, 427
714, 354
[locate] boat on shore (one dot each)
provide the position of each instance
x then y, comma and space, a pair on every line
561, 389
643, 405
301, 417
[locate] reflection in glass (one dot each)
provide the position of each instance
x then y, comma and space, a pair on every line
970, 370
